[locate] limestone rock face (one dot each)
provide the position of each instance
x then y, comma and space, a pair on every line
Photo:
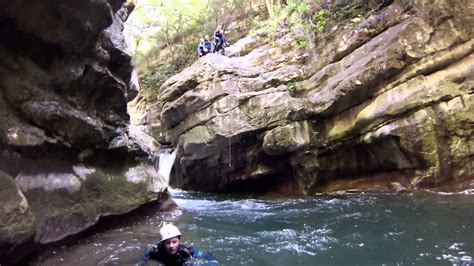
17, 222
65, 79
286, 139
383, 102
217, 113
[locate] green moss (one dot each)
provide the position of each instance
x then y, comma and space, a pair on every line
112, 192
99, 193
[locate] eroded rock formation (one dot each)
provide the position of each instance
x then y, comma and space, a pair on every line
67, 153
381, 102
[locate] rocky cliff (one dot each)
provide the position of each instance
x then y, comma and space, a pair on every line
67, 153
381, 102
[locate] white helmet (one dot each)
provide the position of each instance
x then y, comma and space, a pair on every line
168, 231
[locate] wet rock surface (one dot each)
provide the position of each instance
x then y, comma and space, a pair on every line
67, 156
17, 222
382, 102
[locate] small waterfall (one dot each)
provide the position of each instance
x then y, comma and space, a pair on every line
164, 162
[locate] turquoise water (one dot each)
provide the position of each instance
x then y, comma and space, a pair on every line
353, 229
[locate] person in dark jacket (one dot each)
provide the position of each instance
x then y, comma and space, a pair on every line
171, 252
208, 46
219, 40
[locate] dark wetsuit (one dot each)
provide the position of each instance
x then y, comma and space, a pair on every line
208, 47
184, 256
219, 42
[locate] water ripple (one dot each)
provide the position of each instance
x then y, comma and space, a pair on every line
331, 229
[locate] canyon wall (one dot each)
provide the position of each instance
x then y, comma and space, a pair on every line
68, 155
382, 102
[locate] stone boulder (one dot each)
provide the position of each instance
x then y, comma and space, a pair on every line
17, 222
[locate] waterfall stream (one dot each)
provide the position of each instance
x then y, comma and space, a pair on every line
164, 163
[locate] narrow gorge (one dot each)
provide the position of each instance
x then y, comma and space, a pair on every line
381, 102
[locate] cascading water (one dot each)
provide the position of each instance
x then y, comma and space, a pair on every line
164, 163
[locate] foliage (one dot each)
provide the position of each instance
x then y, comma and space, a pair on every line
318, 15
321, 19
291, 84
342, 12
302, 42
156, 23
153, 78
264, 26
300, 7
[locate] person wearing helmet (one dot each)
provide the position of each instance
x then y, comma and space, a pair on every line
171, 252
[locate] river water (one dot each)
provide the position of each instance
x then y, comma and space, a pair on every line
424, 228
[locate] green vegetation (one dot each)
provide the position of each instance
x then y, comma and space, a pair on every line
291, 84
318, 15
153, 78
321, 19
302, 42
264, 27
158, 24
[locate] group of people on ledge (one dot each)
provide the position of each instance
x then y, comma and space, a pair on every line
207, 46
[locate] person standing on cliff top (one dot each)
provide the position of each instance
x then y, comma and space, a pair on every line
219, 40
171, 252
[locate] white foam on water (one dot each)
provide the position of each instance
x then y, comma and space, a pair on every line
196, 205
249, 205
464, 192
309, 240
462, 258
